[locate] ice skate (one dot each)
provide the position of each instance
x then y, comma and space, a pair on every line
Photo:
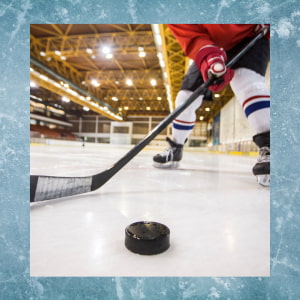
170, 157
262, 168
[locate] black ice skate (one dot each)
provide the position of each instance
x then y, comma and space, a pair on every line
262, 168
170, 157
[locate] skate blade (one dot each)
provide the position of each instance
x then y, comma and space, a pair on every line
167, 165
263, 180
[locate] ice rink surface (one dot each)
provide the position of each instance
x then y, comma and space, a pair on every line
218, 216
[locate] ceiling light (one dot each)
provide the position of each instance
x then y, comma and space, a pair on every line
72, 92
142, 54
95, 83
57, 52
109, 56
148, 108
88, 98
129, 82
89, 50
117, 82
158, 98
42, 53
44, 77
93, 56
207, 109
161, 60
153, 82
86, 108
114, 99
65, 99
106, 50
33, 84
157, 36
141, 98
126, 107
217, 95
201, 118
63, 58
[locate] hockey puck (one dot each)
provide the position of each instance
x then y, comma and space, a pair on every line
147, 238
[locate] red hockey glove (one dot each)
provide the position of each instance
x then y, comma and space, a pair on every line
265, 27
210, 61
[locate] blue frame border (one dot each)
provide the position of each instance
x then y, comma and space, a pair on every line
16, 16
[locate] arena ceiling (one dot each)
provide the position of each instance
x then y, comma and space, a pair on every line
115, 70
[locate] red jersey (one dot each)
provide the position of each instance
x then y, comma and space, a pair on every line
192, 37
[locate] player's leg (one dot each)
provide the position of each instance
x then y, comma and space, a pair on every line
182, 128
262, 168
249, 86
183, 125
251, 90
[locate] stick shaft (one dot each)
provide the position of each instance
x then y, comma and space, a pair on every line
260, 35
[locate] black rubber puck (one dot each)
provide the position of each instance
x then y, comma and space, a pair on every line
147, 238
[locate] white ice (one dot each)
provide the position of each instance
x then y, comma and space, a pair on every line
219, 217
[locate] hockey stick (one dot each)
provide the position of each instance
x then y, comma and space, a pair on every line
51, 187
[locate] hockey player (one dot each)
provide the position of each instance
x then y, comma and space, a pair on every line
209, 46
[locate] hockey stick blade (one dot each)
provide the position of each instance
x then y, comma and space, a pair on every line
52, 187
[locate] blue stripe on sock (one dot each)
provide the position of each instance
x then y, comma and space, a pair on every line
256, 106
183, 127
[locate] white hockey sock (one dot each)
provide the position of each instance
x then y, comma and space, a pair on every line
251, 90
184, 123
181, 131
257, 110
